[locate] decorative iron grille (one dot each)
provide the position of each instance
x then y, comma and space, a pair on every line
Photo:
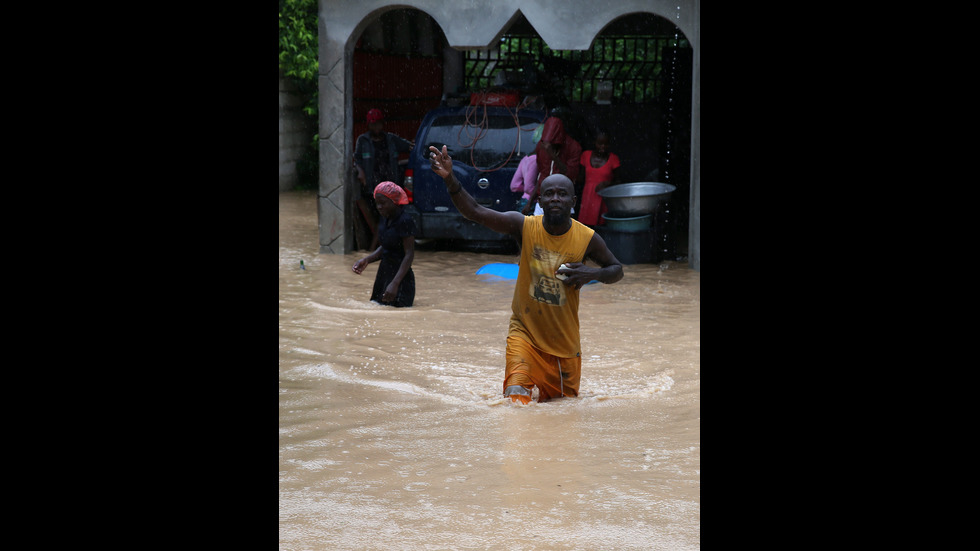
635, 65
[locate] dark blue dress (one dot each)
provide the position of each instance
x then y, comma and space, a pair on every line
390, 234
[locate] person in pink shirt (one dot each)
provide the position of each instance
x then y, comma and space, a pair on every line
600, 172
525, 179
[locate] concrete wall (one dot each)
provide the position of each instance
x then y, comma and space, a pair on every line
468, 24
295, 132
694, 228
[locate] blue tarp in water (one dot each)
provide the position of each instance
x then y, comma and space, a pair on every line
506, 271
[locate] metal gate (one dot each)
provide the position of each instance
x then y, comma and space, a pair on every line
634, 66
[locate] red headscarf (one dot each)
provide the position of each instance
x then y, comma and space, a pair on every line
375, 115
392, 191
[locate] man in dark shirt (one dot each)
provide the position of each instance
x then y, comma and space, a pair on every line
376, 154
376, 160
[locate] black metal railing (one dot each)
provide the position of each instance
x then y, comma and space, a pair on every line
635, 66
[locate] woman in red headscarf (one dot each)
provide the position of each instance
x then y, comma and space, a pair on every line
375, 161
395, 283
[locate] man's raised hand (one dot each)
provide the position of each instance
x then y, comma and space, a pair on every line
442, 163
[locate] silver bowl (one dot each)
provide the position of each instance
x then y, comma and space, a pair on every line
636, 198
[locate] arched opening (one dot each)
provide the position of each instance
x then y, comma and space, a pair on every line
649, 63
397, 68
634, 82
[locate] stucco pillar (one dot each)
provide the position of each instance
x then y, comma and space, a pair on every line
452, 70
333, 205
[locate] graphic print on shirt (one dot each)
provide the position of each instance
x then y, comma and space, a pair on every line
545, 287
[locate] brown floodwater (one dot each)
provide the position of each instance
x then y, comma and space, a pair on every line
393, 433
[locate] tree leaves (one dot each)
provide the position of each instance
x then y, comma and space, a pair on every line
298, 39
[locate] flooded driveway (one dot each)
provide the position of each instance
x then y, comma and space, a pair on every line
393, 433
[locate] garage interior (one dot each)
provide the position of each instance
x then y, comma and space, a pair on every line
635, 82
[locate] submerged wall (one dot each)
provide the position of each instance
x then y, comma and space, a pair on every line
295, 132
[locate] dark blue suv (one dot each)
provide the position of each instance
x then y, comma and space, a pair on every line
486, 144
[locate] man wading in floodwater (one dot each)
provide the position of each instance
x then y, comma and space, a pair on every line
543, 341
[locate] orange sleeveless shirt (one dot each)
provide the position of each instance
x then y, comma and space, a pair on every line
545, 309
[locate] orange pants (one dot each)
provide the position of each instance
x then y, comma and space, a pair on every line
529, 367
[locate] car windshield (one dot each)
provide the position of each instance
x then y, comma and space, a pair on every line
484, 142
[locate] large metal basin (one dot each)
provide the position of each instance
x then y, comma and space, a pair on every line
635, 199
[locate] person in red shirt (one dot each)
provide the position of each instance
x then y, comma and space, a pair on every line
557, 153
600, 172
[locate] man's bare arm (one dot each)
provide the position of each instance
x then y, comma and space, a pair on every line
610, 270
511, 222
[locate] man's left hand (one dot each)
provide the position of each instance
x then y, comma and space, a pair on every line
577, 274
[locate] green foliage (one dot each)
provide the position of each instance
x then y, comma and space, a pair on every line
298, 46
298, 38
298, 60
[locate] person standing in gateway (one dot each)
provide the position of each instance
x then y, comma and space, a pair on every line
543, 348
376, 160
376, 154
